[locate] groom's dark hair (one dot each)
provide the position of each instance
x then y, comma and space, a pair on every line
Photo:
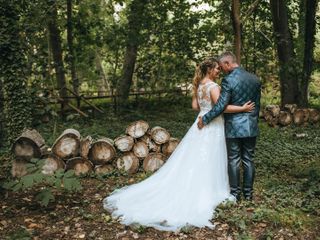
228, 55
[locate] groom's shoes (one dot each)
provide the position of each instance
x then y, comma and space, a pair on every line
237, 197
248, 198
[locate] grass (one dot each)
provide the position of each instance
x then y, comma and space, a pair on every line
287, 186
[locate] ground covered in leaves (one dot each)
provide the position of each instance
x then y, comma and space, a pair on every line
286, 204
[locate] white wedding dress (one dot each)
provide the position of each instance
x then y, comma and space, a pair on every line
188, 187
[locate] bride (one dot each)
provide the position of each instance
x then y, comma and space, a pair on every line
194, 180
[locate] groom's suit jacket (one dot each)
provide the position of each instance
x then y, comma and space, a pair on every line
238, 87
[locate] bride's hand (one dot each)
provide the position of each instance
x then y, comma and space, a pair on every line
248, 106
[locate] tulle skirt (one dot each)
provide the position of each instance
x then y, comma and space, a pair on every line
185, 190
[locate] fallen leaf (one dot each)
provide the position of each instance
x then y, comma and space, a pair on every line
33, 225
4, 223
28, 220
250, 209
121, 234
135, 235
262, 225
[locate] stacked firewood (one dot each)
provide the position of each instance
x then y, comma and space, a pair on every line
142, 144
30, 144
290, 114
141, 147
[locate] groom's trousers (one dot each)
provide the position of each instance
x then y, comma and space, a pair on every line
241, 149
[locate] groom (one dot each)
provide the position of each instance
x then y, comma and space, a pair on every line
238, 87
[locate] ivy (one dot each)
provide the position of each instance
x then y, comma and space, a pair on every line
16, 106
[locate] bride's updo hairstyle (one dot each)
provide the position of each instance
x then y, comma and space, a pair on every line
201, 71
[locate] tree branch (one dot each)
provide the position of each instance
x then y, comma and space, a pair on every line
250, 10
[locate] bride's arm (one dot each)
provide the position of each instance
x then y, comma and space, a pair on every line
195, 104
247, 107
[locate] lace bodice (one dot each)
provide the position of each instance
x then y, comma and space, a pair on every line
204, 98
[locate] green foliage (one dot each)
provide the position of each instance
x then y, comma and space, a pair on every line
19, 234
174, 36
60, 180
12, 67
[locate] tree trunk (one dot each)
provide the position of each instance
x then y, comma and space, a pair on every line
16, 98
254, 44
55, 43
288, 76
128, 68
135, 22
237, 28
103, 83
74, 79
1, 116
309, 9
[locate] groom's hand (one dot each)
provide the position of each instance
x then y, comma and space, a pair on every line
200, 123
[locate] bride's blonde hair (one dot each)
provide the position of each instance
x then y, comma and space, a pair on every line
201, 71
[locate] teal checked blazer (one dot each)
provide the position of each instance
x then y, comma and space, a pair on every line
238, 87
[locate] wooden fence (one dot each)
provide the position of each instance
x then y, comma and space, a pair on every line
94, 95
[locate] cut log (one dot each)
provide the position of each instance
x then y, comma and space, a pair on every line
159, 135
261, 113
19, 167
298, 116
153, 162
103, 169
28, 145
51, 164
273, 122
170, 146
124, 143
273, 109
306, 115
79, 165
285, 118
67, 144
137, 129
291, 108
140, 149
85, 145
314, 115
45, 151
153, 147
267, 116
102, 151
128, 162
